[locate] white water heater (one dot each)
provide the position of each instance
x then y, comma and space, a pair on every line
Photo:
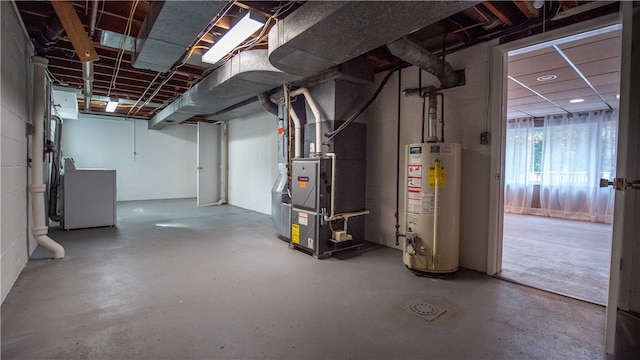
432, 207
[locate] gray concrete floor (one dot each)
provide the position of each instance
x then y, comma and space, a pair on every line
567, 257
177, 281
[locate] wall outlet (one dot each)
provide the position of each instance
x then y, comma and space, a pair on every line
484, 138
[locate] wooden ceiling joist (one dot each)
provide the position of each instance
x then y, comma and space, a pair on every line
499, 14
75, 31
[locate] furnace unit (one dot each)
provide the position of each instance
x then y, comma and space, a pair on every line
328, 193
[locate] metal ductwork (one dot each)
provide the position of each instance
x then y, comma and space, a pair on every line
420, 57
169, 28
242, 77
267, 104
49, 36
321, 34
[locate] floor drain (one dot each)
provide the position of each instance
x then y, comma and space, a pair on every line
425, 310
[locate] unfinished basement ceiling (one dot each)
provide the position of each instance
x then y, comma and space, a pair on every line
116, 76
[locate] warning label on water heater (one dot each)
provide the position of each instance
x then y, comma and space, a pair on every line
415, 154
414, 178
436, 175
430, 204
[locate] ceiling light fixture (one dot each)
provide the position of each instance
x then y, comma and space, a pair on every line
546, 77
575, 101
111, 106
244, 28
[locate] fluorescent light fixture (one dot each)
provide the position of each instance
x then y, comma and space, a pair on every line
111, 106
249, 24
575, 101
546, 77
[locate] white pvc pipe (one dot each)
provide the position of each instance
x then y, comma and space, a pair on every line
297, 133
37, 186
316, 114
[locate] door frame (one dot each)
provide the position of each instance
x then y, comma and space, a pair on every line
208, 158
627, 205
499, 111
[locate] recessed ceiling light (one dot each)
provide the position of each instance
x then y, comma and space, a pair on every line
575, 101
546, 77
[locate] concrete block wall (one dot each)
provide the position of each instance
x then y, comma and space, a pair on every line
253, 161
466, 116
164, 166
14, 107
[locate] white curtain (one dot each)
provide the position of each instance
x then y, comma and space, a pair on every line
519, 155
578, 150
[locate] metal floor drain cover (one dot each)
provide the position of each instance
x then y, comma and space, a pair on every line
425, 310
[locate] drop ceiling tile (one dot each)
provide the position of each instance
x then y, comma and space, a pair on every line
518, 93
587, 107
608, 89
547, 111
531, 54
593, 51
526, 101
600, 67
615, 35
605, 79
565, 96
536, 64
514, 114
597, 57
563, 74
559, 86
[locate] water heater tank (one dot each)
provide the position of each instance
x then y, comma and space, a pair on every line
432, 207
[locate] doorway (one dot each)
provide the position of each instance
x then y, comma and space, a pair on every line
560, 139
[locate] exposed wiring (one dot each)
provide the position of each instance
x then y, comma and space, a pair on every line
334, 133
283, 8
116, 69
101, 11
141, 96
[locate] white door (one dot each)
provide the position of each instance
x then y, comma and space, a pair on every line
208, 178
624, 282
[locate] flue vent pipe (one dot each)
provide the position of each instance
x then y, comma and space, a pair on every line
297, 128
37, 186
432, 128
316, 114
416, 55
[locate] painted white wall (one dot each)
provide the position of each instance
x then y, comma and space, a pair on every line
253, 161
15, 95
466, 116
164, 166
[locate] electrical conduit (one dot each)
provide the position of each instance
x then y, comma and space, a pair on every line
37, 186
